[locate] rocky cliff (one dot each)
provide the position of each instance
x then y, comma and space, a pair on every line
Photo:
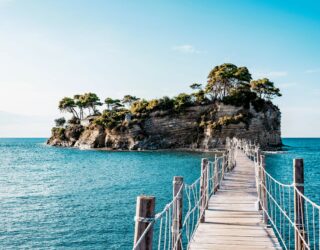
202, 127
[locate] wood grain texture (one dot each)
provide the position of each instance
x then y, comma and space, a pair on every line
232, 220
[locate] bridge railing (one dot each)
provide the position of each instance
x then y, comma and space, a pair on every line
293, 216
174, 226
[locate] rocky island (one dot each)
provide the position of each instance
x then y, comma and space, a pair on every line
231, 104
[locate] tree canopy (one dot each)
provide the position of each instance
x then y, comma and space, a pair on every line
265, 88
182, 100
91, 101
79, 103
109, 102
195, 86
129, 99
67, 104
223, 78
60, 121
112, 104
226, 83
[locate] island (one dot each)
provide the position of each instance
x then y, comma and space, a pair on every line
230, 104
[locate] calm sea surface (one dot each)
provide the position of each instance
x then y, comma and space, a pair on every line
55, 198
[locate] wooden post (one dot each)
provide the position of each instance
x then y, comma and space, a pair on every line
298, 181
264, 198
207, 184
177, 212
259, 177
203, 187
216, 176
255, 158
258, 156
144, 216
228, 160
223, 165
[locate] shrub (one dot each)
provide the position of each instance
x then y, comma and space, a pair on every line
111, 118
227, 120
139, 106
182, 101
143, 107
240, 97
58, 132
60, 121
166, 103
74, 120
200, 97
153, 105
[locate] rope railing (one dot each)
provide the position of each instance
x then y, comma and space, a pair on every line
294, 217
175, 225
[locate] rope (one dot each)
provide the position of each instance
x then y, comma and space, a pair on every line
278, 206
276, 200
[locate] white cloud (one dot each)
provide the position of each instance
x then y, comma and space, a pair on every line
286, 85
270, 74
311, 71
186, 49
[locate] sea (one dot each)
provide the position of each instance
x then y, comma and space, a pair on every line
64, 198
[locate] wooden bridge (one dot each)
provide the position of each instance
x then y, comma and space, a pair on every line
232, 220
234, 204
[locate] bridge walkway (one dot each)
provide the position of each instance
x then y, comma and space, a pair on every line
232, 220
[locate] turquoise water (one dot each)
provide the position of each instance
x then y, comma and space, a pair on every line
280, 165
55, 198
67, 198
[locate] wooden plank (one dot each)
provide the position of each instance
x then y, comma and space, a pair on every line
232, 220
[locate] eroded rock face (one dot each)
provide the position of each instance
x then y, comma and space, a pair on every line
66, 137
263, 128
183, 130
92, 137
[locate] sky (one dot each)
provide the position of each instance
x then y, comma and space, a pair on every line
55, 48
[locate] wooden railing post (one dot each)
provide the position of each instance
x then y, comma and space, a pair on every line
223, 165
255, 159
263, 189
177, 212
216, 176
259, 177
203, 186
258, 156
144, 216
207, 184
299, 215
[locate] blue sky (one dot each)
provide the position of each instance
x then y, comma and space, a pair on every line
52, 49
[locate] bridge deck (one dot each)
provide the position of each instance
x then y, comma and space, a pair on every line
232, 220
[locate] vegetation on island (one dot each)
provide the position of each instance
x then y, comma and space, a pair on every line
226, 83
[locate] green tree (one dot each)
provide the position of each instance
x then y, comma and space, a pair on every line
109, 102
67, 104
139, 106
79, 102
74, 120
182, 100
166, 103
117, 104
60, 122
223, 78
113, 104
129, 99
241, 96
265, 88
199, 96
196, 86
153, 104
91, 101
